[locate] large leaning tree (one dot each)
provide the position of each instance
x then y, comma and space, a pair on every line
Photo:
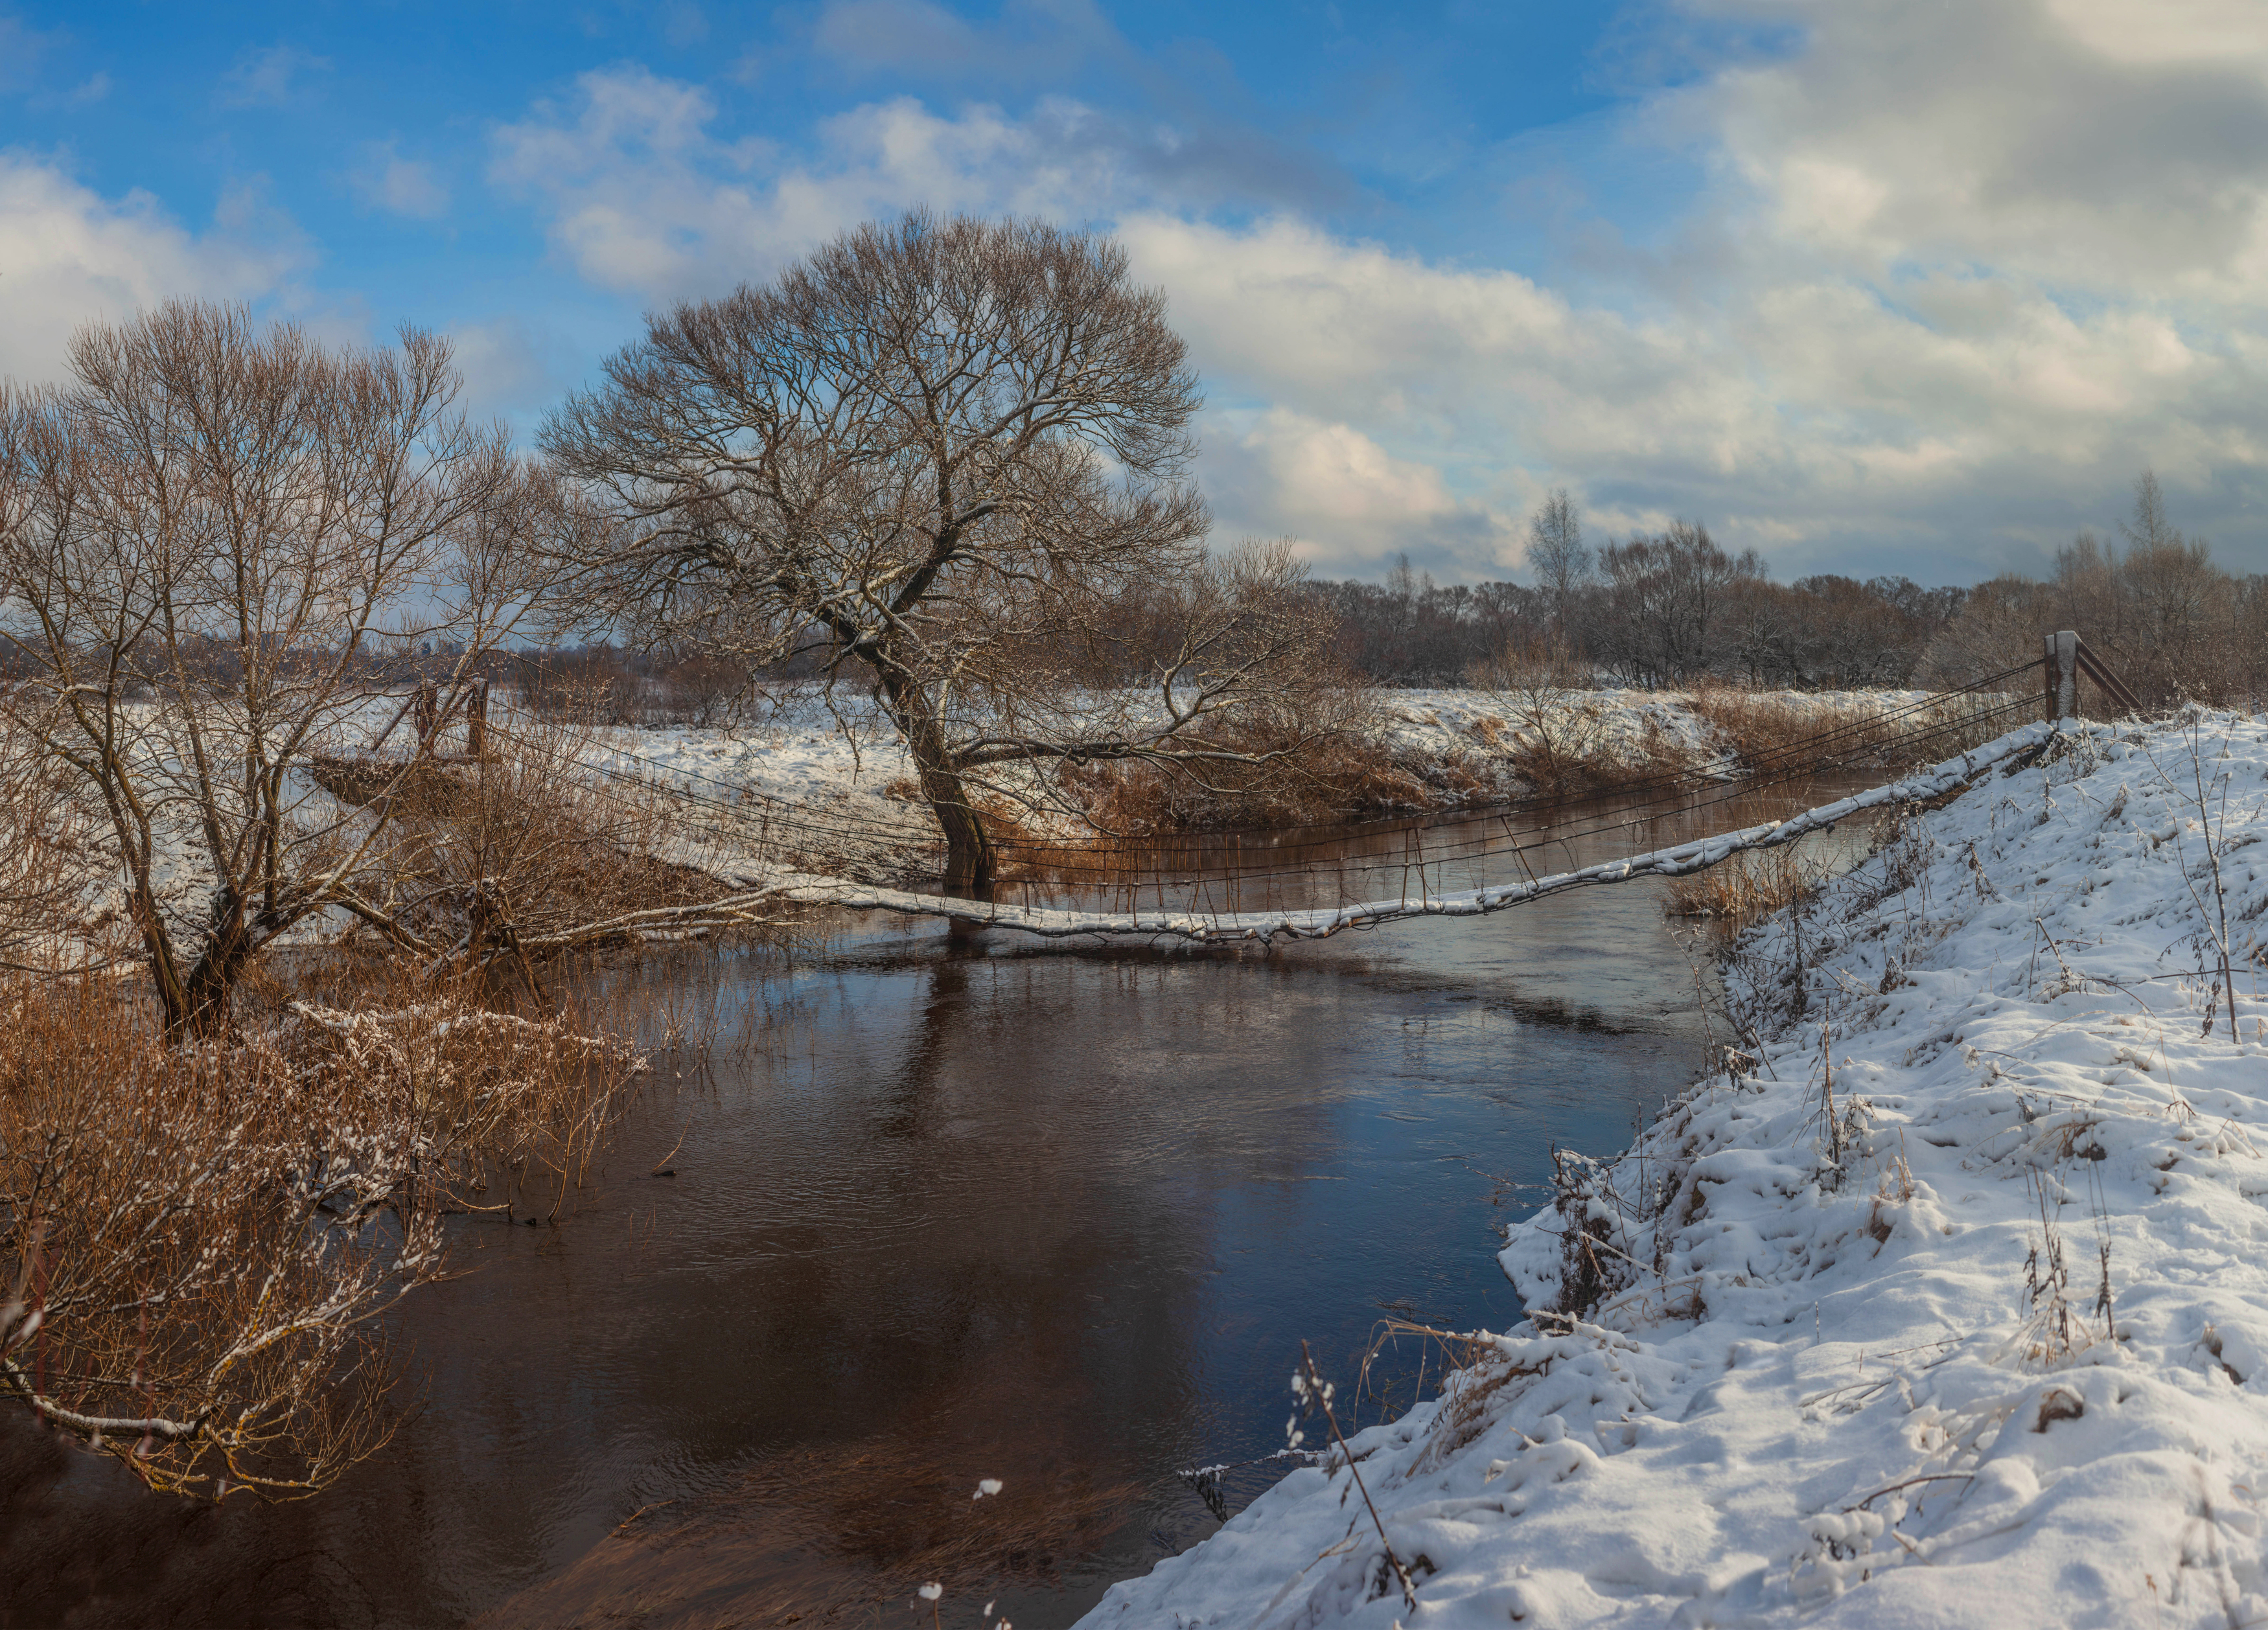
951, 457
217, 539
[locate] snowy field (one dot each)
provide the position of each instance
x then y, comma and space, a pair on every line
1971, 1330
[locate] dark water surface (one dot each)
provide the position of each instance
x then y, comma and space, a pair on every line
1057, 1218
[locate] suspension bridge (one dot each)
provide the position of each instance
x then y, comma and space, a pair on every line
1244, 887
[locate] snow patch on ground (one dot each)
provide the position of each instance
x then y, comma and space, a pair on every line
1821, 1366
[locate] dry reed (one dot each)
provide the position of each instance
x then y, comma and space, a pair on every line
1743, 890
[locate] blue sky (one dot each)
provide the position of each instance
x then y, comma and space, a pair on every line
1869, 286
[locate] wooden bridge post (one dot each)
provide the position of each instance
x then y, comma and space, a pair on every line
2061, 674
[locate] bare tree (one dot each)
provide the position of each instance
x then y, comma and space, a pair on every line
1558, 556
2178, 608
206, 538
45, 867
1668, 600
1558, 731
1996, 629
942, 454
2160, 610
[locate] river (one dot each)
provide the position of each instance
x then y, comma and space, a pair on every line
937, 1213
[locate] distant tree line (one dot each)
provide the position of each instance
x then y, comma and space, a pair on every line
1668, 608
1676, 608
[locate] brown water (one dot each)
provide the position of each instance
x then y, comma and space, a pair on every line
1057, 1218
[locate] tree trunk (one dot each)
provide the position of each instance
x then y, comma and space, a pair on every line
970, 861
211, 986
197, 1007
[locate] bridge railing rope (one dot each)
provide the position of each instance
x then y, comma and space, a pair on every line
1208, 925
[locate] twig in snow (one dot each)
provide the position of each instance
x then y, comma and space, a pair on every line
1934, 1477
1316, 1394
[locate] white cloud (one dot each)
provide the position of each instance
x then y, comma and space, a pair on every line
1346, 500
1955, 273
2222, 32
386, 180
2078, 141
1800, 415
640, 196
268, 77
68, 254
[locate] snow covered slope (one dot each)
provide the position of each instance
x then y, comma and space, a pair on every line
1971, 1331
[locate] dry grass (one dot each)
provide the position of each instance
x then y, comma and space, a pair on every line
198, 1244
1572, 755
1347, 778
1554, 733
1560, 736
1746, 888
1754, 726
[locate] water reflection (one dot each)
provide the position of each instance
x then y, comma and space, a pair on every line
1060, 1218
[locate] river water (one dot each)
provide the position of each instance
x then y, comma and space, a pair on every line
940, 1213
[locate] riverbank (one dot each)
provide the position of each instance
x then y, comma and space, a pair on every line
1943, 1303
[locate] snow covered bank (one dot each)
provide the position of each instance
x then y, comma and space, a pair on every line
1969, 1329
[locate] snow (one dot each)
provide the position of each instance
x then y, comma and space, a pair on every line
803, 750
1623, 725
1825, 1370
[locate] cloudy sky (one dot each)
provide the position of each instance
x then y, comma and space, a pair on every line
1871, 285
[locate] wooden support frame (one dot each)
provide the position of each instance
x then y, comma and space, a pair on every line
2064, 657
2097, 670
